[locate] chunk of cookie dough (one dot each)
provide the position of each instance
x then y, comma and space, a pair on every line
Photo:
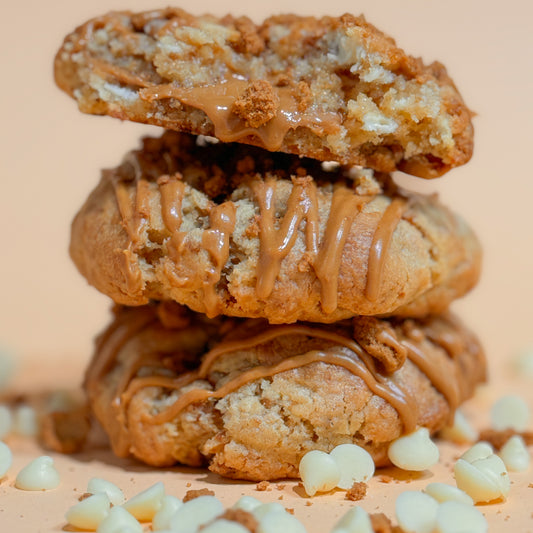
328, 88
249, 399
232, 229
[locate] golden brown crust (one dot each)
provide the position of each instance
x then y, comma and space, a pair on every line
348, 93
260, 429
126, 247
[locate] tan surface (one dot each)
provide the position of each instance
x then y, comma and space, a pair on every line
51, 155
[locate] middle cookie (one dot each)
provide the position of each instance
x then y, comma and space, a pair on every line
236, 230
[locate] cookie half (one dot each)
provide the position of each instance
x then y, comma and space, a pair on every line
329, 88
236, 230
250, 399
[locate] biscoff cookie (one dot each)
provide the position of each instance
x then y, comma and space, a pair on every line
328, 88
236, 230
250, 399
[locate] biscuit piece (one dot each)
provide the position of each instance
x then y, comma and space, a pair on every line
330, 88
233, 229
265, 395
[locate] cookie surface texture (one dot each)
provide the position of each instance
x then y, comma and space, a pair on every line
236, 230
249, 399
330, 88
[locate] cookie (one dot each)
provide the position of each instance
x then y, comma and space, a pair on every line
249, 399
237, 230
330, 88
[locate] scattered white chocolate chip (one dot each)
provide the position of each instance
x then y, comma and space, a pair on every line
278, 521
265, 508
169, 505
448, 493
356, 520
225, 526
6, 421
319, 472
247, 503
515, 454
88, 513
415, 451
416, 512
484, 480
115, 495
480, 450
6, 459
40, 474
523, 363
119, 520
25, 421
7, 367
461, 431
145, 505
195, 513
510, 412
355, 464
456, 517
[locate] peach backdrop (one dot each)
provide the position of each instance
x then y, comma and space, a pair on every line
51, 156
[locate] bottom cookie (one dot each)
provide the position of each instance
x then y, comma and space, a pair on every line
249, 399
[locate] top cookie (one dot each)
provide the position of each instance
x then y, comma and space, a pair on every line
331, 88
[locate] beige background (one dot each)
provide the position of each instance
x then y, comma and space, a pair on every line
51, 155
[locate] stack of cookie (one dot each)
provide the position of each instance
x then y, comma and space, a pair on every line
276, 291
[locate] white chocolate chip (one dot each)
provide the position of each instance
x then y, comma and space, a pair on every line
6, 421
115, 495
456, 517
415, 451
225, 526
480, 450
265, 508
510, 412
461, 431
195, 513
7, 367
356, 520
278, 521
88, 513
448, 493
145, 505
416, 512
169, 505
319, 472
355, 464
40, 474
515, 454
484, 480
25, 421
247, 503
523, 363
6, 459
119, 521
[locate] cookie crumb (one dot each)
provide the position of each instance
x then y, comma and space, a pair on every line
381, 524
290, 510
244, 518
257, 105
263, 486
357, 491
192, 494
308, 503
188, 484
84, 496
498, 437
280, 486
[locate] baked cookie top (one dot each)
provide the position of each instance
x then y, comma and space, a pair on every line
329, 88
250, 399
231, 229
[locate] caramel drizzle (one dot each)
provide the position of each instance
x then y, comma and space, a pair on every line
380, 245
358, 363
276, 240
216, 101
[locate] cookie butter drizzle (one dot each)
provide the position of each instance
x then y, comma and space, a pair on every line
276, 236
217, 100
345, 352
